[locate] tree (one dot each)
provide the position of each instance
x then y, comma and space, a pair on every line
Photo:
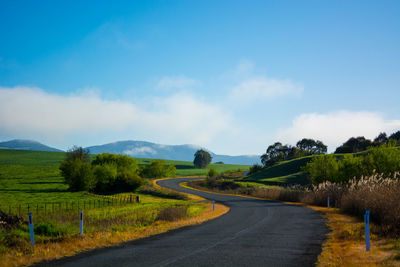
157, 169
77, 171
201, 159
311, 146
354, 145
116, 172
381, 138
278, 152
396, 137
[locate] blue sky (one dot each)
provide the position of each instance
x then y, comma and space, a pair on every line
233, 76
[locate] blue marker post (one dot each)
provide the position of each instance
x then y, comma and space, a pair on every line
366, 222
328, 202
30, 222
213, 205
81, 222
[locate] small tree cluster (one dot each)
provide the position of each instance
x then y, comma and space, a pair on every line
108, 172
278, 152
358, 144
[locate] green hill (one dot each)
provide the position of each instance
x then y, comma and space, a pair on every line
285, 172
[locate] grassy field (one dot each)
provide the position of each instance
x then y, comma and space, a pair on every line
31, 177
285, 172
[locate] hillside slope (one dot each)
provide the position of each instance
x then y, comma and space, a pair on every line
285, 172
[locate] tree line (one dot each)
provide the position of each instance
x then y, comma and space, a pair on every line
305, 147
109, 172
278, 152
358, 144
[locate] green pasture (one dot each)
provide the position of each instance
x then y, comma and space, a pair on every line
285, 172
31, 177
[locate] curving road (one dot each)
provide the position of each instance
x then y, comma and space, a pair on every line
253, 233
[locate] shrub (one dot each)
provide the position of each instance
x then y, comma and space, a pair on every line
48, 229
77, 174
16, 239
166, 193
212, 173
106, 176
158, 169
255, 168
116, 172
172, 213
384, 159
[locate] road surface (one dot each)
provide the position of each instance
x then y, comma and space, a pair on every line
253, 233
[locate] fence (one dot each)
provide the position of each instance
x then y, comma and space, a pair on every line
59, 207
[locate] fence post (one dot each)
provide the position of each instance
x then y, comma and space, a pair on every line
30, 222
366, 222
328, 204
137, 199
81, 222
213, 205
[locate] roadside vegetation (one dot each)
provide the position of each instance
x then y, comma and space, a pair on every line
116, 207
365, 176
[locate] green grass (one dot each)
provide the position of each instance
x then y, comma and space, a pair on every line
31, 177
285, 172
186, 168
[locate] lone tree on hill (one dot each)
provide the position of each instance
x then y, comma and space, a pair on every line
201, 159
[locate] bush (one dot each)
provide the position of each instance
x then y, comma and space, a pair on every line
116, 172
212, 173
48, 229
166, 193
172, 213
78, 175
255, 168
106, 176
158, 169
384, 159
16, 239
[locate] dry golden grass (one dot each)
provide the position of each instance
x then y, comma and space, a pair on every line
76, 244
345, 245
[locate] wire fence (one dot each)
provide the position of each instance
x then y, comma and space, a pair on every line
46, 208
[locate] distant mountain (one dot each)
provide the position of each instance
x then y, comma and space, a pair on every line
142, 149
27, 145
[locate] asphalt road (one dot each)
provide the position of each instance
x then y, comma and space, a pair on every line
253, 233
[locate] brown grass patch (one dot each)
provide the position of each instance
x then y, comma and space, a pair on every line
77, 244
345, 245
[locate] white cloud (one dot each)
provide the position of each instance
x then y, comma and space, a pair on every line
140, 151
33, 113
334, 128
251, 85
177, 82
263, 88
